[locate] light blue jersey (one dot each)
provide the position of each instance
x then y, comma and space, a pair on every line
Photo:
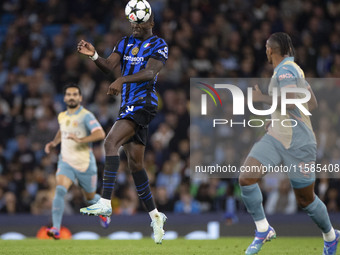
81, 123
76, 160
293, 147
289, 74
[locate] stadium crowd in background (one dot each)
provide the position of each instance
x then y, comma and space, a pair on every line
38, 57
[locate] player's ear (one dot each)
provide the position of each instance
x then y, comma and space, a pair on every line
270, 51
149, 24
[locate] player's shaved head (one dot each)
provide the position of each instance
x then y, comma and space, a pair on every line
281, 44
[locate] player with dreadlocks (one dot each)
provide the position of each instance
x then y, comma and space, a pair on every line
293, 146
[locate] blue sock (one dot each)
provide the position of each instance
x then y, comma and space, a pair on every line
318, 212
143, 189
252, 198
110, 173
94, 199
58, 206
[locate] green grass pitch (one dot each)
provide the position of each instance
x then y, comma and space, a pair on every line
225, 246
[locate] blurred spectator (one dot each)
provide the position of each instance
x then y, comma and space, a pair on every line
168, 179
186, 204
8, 203
282, 200
332, 200
24, 154
163, 202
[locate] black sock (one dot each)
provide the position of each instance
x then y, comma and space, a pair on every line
110, 173
143, 189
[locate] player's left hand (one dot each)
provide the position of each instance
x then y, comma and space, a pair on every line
74, 138
257, 94
115, 87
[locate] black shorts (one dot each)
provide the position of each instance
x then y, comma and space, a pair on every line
142, 115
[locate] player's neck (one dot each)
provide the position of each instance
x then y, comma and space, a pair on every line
147, 35
72, 110
277, 60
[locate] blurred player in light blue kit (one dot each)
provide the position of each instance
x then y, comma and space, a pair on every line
78, 128
290, 146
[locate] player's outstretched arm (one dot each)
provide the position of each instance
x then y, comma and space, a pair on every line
54, 143
151, 70
96, 135
107, 65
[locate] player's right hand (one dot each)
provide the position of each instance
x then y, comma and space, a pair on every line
86, 48
48, 147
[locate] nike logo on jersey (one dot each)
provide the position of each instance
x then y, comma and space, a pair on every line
130, 44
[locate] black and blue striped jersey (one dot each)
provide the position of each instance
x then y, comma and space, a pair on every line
135, 54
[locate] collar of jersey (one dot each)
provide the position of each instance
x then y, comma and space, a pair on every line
76, 112
283, 62
144, 40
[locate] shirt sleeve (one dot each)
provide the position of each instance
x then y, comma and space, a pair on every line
119, 48
92, 123
286, 77
160, 51
60, 116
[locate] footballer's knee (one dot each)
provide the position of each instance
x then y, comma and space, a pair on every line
135, 165
305, 196
304, 201
111, 146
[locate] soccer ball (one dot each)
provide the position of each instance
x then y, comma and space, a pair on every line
138, 11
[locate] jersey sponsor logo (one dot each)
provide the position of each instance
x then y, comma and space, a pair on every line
164, 52
134, 60
93, 122
135, 51
65, 134
285, 76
